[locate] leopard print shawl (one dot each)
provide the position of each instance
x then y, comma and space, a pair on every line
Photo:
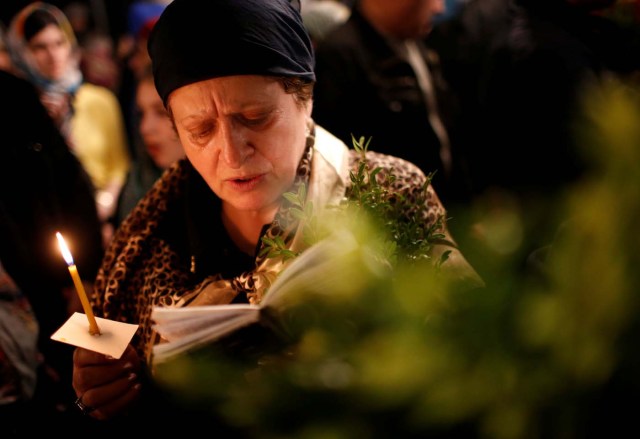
148, 264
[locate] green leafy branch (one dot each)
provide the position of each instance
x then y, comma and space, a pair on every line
406, 237
401, 217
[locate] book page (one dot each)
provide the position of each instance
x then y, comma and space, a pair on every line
175, 323
211, 323
321, 268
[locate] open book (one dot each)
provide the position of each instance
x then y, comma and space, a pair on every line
321, 269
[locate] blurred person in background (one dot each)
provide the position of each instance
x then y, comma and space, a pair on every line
376, 78
535, 78
19, 356
43, 189
98, 62
552, 54
465, 41
162, 147
44, 50
145, 170
522, 70
134, 61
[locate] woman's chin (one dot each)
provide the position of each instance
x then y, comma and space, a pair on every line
253, 202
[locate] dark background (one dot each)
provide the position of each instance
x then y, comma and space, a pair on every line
111, 15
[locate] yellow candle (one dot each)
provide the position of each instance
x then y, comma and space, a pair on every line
73, 270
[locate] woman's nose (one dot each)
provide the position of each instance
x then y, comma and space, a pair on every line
235, 147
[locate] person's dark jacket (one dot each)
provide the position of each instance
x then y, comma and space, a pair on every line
366, 89
43, 189
539, 76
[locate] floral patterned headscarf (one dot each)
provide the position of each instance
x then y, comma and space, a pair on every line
25, 63
56, 95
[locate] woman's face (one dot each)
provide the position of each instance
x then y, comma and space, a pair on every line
244, 135
156, 127
51, 51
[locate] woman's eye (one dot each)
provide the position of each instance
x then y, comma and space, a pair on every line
254, 121
201, 134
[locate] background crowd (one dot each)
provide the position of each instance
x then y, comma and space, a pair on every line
488, 95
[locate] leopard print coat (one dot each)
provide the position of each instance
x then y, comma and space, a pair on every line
151, 260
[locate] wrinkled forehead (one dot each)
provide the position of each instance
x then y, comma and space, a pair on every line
229, 94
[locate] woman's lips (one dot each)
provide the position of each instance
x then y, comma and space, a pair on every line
245, 184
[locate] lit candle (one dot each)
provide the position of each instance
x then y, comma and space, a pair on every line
66, 254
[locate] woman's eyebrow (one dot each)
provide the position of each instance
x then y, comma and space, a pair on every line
194, 118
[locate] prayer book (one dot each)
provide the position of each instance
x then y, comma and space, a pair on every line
321, 269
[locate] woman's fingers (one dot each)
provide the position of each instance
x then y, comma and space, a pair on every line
105, 384
97, 375
113, 397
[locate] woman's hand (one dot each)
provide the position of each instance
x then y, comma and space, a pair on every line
106, 387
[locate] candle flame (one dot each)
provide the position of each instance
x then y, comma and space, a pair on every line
66, 254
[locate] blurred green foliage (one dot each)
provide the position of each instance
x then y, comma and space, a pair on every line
546, 352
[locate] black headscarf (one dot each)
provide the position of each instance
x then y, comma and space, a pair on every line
195, 40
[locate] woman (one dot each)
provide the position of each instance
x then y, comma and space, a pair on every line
236, 77
45, 51
161, 144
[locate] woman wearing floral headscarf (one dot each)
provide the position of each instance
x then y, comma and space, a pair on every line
44, 50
